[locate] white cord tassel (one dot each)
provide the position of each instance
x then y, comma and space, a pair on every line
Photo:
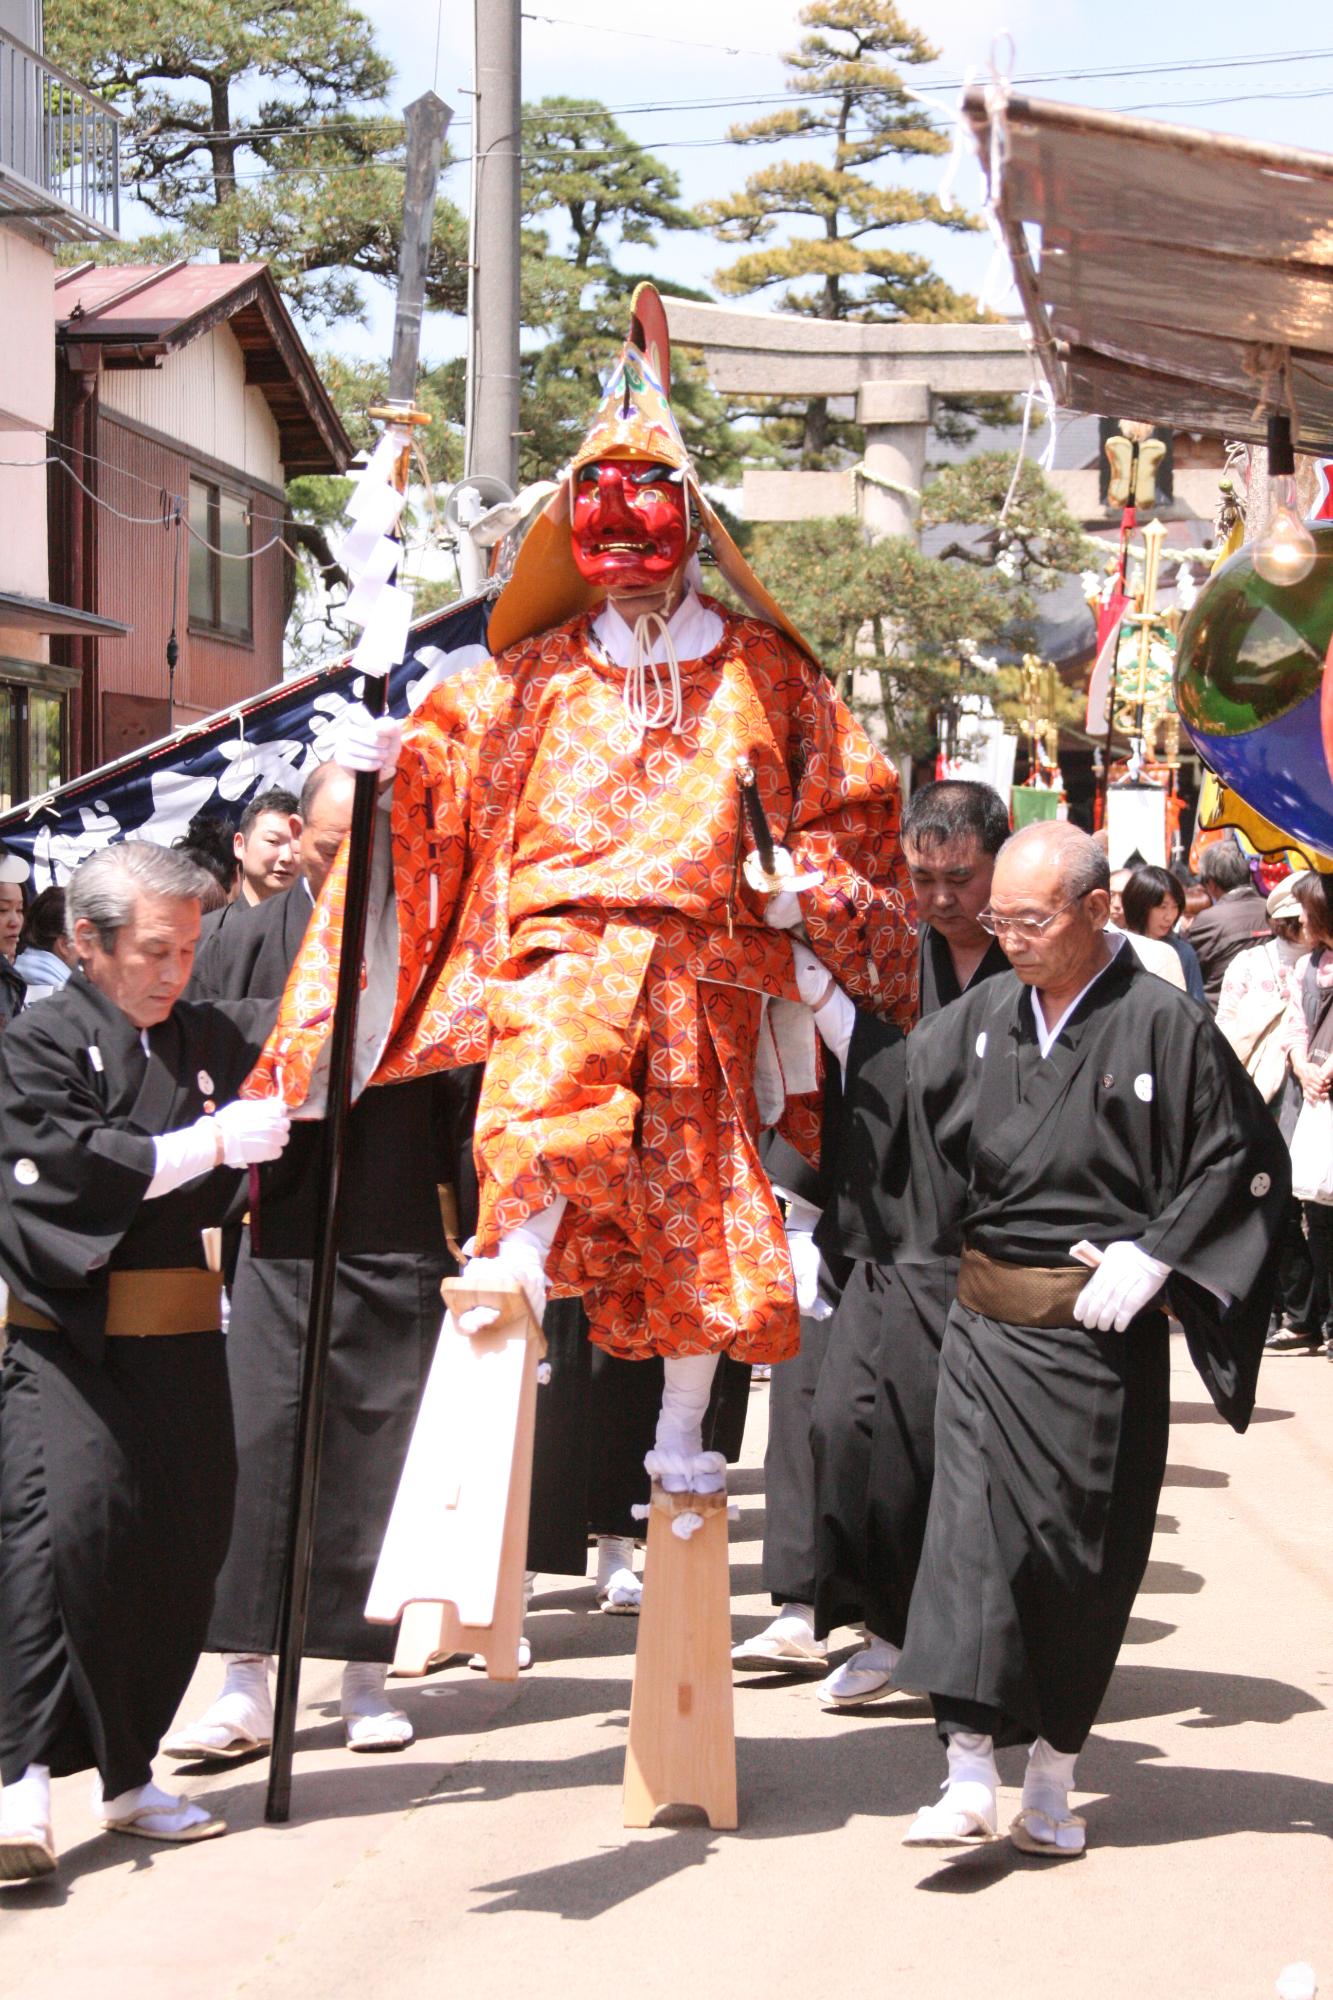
667, 711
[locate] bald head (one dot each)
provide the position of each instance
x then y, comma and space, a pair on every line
326, 814
1050, 904
1077, 861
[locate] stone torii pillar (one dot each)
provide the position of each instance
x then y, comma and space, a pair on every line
892, 372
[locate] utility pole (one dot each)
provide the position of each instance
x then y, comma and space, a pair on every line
492, 430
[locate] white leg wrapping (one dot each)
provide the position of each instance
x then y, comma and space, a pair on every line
678, 1461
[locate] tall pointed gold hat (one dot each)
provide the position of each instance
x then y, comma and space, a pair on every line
634, 420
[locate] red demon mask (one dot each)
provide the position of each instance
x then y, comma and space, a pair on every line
631, 524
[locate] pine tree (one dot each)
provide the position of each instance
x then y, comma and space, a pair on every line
307, 179
851, 94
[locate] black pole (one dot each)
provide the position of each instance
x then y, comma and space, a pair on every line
427, 120
297, 1563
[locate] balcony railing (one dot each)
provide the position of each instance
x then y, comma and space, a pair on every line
59, 149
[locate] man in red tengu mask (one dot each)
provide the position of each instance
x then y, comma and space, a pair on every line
575, 907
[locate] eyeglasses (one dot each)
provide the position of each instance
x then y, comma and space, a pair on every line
1026, 929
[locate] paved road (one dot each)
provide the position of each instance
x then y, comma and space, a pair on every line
490, 1858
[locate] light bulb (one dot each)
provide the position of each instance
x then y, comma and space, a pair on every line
1285, 552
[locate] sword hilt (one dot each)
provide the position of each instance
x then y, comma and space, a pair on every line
754, 811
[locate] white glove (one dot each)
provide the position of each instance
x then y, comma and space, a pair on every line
801, 1219
834, 1013
1126, 1280
253, 1130
239, 1135
366, 742
782, 912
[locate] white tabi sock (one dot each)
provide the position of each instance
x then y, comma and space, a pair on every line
1049, 1779
155, 1810
26, 1804
618, 1589
973, 1779
877, 1656
371, 1720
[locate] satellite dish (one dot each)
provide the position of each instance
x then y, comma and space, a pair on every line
467, 503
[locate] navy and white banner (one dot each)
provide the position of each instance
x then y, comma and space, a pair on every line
275, 738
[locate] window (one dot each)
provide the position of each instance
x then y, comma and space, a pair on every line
220, 566
32, 739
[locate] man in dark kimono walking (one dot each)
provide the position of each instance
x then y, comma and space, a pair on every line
386, 1317
873, 1415
118, 1131
1080, 1136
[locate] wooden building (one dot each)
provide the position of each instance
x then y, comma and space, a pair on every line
184, 402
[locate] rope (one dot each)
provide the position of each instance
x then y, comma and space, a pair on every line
667, 711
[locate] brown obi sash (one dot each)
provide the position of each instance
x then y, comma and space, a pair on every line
146, 1302
1020, 1294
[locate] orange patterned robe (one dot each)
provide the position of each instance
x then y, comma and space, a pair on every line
571, 913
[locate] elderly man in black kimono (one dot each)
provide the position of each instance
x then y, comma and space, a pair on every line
386, 1316
118, 1136
1082, 1138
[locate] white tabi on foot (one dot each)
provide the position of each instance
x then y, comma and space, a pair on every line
965, 1816
1044, 1824
239, 1721
619, 1591
865, 1676
369, 1717
152, 1814
27, 1849
788, 1643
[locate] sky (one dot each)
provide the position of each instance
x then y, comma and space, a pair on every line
729, 50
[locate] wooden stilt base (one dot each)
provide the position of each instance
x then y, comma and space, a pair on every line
682, 1732
453, 1558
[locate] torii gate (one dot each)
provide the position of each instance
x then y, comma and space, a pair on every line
893, 372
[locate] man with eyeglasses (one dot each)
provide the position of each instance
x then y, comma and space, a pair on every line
1081, 1136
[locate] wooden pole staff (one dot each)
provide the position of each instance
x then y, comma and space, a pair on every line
427, 122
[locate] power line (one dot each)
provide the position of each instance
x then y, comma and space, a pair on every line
533, 114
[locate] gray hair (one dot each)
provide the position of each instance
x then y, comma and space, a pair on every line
105, 888
1083, 865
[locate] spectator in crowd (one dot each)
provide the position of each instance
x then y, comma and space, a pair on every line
1235, 919
209, 841
1251, 1012
45, 955
1153, 903
1197, 900
13, 900
1308, 1035
265, 844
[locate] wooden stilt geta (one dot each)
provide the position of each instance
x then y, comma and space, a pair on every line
453, 1558
682, 1731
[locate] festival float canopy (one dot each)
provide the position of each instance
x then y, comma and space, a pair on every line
1179, 270
1185, 278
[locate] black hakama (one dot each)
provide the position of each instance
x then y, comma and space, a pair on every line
1041, 1526
873, 1431
116, 1484
117, 1461
402, 1145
